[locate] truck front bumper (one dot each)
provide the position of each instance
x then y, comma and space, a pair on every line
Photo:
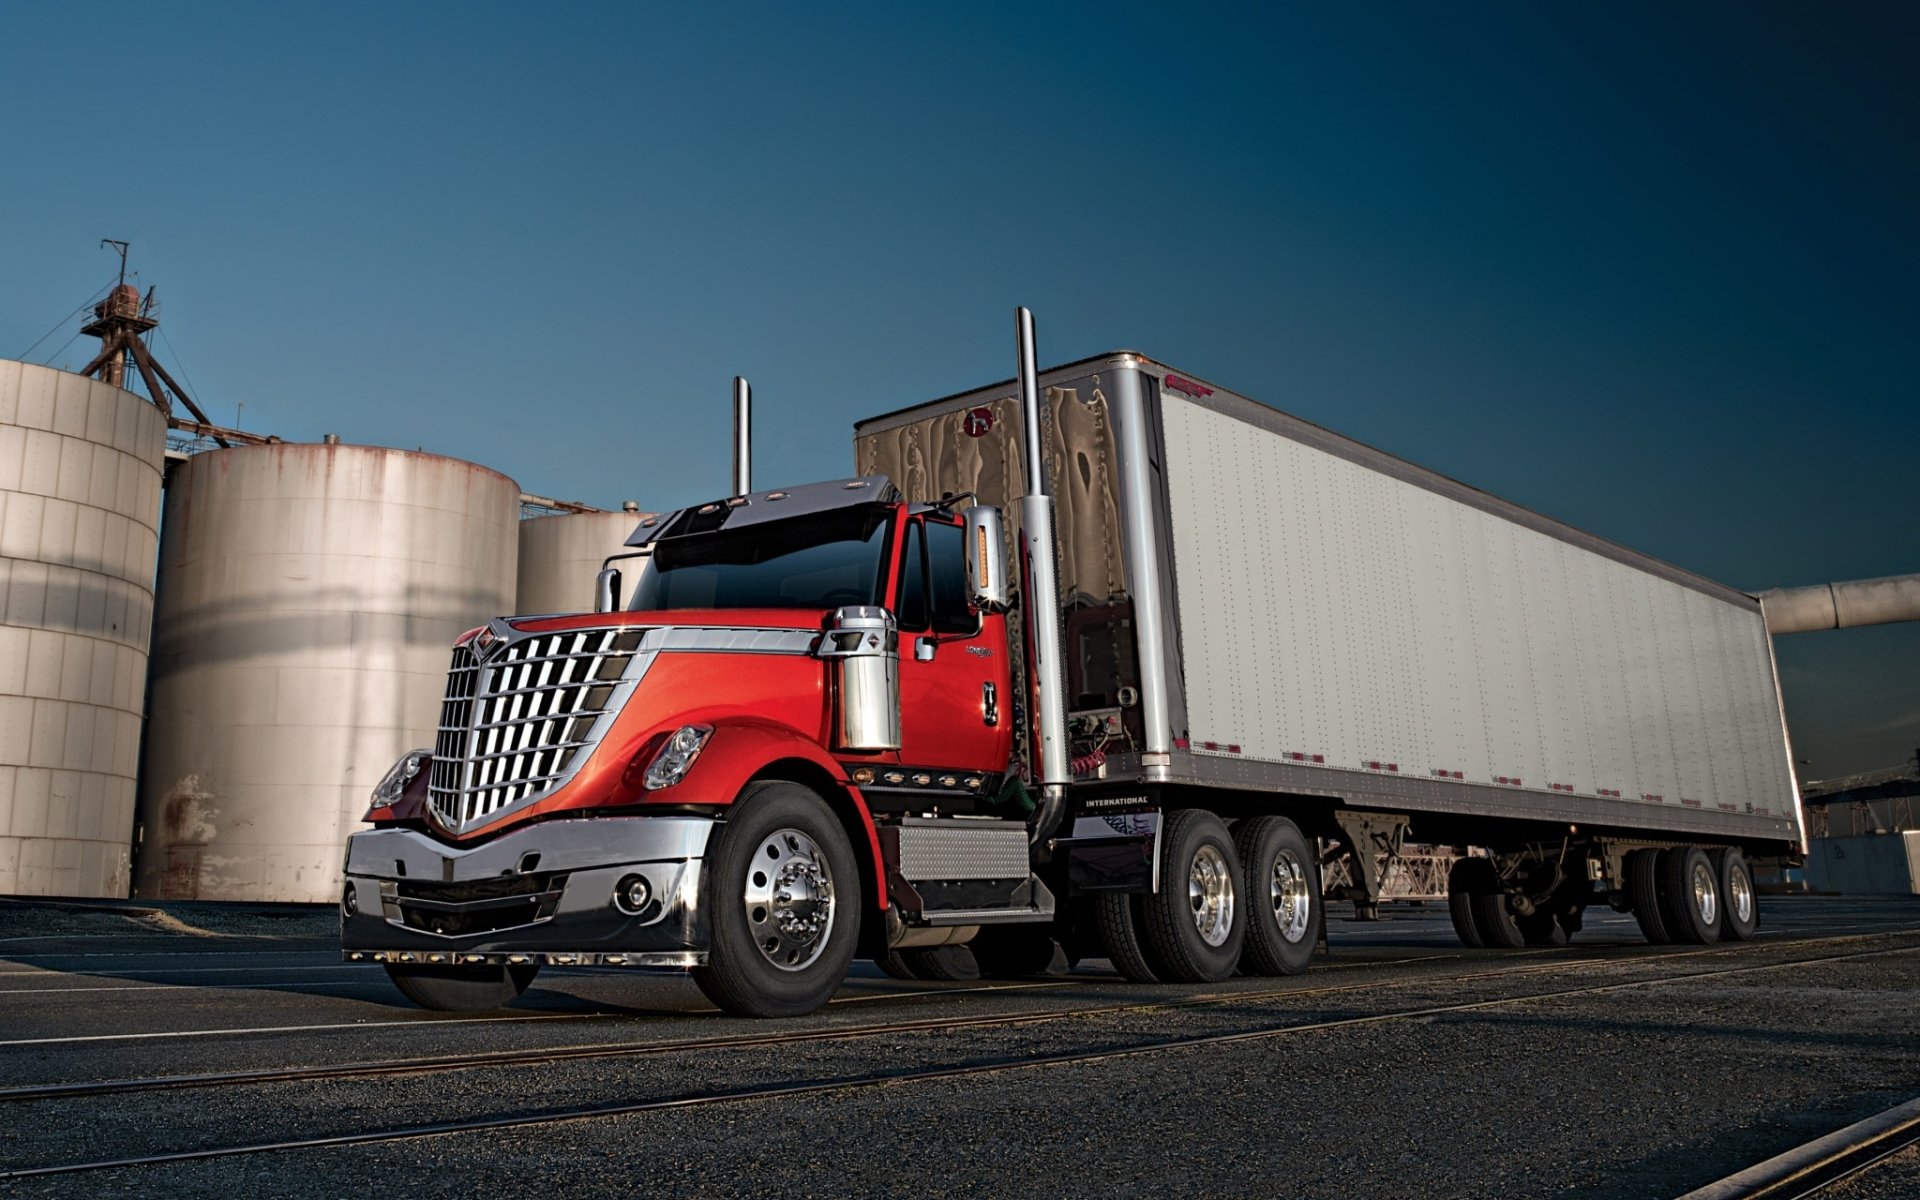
555, 892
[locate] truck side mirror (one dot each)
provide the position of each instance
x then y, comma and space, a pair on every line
606, 590
987, 587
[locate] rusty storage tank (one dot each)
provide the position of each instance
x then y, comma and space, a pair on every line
560, 557
307, 599
79, 501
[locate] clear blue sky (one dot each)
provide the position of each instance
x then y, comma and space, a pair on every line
1647, 268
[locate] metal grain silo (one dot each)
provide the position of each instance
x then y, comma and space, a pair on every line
307, 598
560, 557
79, 501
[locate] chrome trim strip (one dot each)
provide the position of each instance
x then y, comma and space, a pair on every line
1141, 556
1786, 738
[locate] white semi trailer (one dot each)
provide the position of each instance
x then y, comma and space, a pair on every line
1266, 622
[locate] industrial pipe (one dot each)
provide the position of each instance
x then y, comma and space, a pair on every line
742, 437
1842, 605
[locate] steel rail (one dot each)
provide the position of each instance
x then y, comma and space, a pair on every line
1812, 1168
911, 1075
435, 1064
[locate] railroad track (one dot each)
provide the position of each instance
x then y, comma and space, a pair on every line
620, 1050
1824, 1163
904, 1076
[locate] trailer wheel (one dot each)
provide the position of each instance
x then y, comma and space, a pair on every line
1643, 893
1281, 882
1740, 907
783, 894
948, 964
1690, 888
1495, 920
1463, 883
461, 989
1193, 927
1118, 919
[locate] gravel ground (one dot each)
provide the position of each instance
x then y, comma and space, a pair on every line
1640, 1091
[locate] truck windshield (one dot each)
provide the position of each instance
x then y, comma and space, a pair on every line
822, 561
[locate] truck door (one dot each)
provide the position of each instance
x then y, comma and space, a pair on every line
956, 706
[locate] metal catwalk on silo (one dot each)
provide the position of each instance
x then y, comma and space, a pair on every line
79, 502
560, 558
308, 597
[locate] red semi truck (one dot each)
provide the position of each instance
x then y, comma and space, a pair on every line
826, 723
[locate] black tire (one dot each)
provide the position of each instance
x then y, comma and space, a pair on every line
1119, 921
1690, 895
1739, 903
779, 839
1492, 917
1463, 883
947, 964
1643, 893
1193, 927
1280, 887
895, 964
461, 989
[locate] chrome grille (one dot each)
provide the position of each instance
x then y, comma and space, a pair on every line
519, 713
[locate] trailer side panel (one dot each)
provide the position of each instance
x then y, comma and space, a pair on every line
1335, 615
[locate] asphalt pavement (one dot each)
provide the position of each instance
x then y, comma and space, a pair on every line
1400, 1065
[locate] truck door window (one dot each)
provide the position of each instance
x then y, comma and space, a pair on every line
947, 579
913, 581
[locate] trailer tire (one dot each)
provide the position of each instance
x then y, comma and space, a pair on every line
1643, 893
1462, 886
770, 956
1493, 918
1119, 923
1280, 880
1690, 889
946, 964
462, 989
1193, 927
1739, 906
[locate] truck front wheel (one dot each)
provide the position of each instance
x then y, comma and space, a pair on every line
461, 989
783, 894
1282, 887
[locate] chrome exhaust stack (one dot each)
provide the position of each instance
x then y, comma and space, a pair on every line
742, 437
1040, 603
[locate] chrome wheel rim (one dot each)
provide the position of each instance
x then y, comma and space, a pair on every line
1292, 901
789, 899
1740, 893
1706, 897
1210, 895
